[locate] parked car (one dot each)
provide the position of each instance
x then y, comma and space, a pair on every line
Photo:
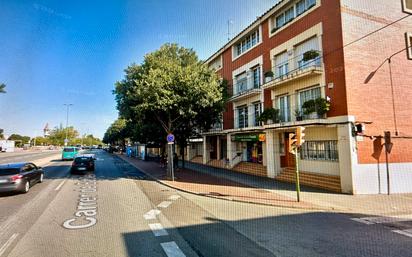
69, 153
82, 164
19, 177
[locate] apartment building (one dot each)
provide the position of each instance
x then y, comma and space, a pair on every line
317, 64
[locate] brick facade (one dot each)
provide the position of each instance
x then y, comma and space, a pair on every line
373, 101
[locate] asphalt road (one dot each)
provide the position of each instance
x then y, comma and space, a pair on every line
118, 211
25, 156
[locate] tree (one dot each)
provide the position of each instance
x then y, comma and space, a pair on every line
58, 134
19, 139
172, 89
116, 132
2, 88
1, 134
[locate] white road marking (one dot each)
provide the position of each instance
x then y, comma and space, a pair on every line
172, 250
158, 229
174, 197
383, 219
151, 215
406, 232
60, 185
164, 204
8, 243
362, 221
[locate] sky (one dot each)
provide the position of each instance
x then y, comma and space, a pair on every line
57, 52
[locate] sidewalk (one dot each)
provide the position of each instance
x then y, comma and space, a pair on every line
220, 183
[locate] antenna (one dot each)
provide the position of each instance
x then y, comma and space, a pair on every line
229, 22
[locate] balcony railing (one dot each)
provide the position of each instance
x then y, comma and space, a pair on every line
286, 71
245, 86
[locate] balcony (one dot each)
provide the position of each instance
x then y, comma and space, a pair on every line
302, 69
245, 88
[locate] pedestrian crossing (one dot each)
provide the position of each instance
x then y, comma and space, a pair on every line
402, 222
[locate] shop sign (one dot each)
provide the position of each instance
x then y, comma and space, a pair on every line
262, 137
246, 138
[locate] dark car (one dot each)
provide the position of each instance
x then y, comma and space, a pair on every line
19, 177
82, 164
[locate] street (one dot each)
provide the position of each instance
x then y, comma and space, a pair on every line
119, 211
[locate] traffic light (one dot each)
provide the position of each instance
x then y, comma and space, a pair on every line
407, 6
300, 136
292, 143
408, 37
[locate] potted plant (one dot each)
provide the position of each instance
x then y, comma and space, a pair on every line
268, 116
316, 107
298, 115
268, 76
322, 106
310, 55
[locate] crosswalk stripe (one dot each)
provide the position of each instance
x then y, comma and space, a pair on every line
151, 215
158, 229
172, 250
164, 204
174, 197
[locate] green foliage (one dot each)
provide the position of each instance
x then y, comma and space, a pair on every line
269, 114
2, 88
320, 105
57, 135
310, 55
116, 132
19, 139
269, 74
171, 90
1, 133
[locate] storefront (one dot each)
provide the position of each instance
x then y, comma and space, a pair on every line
249, 147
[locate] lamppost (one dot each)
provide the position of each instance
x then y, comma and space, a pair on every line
67, 123
372, 74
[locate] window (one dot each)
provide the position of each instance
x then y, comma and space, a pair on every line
320, 150
243, 116
256, 77
280, 20
408, 37
241, 83
310, 94
289, 15
284, 108
300, 7
247, 43
407, 6
282, 65
258, 108
311, 44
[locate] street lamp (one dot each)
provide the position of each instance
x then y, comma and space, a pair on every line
372, 74
67, 123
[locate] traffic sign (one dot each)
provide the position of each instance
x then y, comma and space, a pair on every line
170, 138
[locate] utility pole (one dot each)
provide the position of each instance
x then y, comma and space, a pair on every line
66, 140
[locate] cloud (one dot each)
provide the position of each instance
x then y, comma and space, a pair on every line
51, 11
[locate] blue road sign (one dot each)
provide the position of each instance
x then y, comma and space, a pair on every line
170, 138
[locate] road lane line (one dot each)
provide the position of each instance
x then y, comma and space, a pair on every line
362, 221
151, 215
174, 197
383, 219
164, 204
406, 232
60, 185
158, 229
172, 250
8, 243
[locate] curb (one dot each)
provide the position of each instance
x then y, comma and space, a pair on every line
225, 199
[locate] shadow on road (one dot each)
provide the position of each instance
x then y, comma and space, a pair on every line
306, 234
